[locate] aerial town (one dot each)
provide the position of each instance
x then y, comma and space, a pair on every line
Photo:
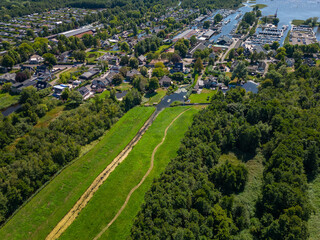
160, 119
110, 54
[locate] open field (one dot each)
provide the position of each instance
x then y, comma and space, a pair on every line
260, 6
203, 97
39, 216
92, 56
155, 97
162, 48
127, 175
314, 195
6, 100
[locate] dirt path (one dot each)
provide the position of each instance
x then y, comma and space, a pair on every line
67, 220
142, 180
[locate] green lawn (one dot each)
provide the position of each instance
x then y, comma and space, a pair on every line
203, 97
314, 195
124, 86
6, 100
297, 22
41, 214
260, 6
163, 47
318, 63
92, 56
155, 97
112, 194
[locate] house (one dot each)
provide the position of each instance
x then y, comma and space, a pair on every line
252, 70
224, 40
199, 46
262, 67
290, 62
210, 82
8, 77
100, 83
42, 69
42, 85
131, 74
109, 76
84, 91
58, 89
142, 60
200, 83
212, 55
178, 67
17, 87
115, 69
35, 59
165, 81
251, 86
88, 75
259, 49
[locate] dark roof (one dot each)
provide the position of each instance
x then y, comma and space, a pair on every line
251, 86
133, 72
83, 91
165, 79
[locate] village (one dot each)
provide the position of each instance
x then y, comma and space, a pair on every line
177, 50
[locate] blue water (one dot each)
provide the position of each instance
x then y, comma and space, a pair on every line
287, 11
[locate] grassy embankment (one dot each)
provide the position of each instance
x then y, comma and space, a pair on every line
155, 97
203, 97
6, 100
39, 216
111, 195
260, 6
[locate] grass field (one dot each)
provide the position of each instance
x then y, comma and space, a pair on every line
260, 6
39, 216
203, 97
6, 100
162, 48
155, 97
314, 195
92, 56
111, 195
125, 86
297, 22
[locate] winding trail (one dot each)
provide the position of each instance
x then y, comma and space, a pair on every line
142, 180
68, 219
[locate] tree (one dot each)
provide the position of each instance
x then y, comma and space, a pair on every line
117, 79
144, 71
240, 71
140, 83
198, 66
275, 21
275, 45
125, 47
7, 61
65, 94
135, 30
181, 47
6, 87
153, 84
21, 77
249, 17
132, 99
206, 24
75, 98
217, 18
193, 40
49, 59
133, 63
232, 54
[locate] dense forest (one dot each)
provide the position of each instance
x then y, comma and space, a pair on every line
30, 155
195, 197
